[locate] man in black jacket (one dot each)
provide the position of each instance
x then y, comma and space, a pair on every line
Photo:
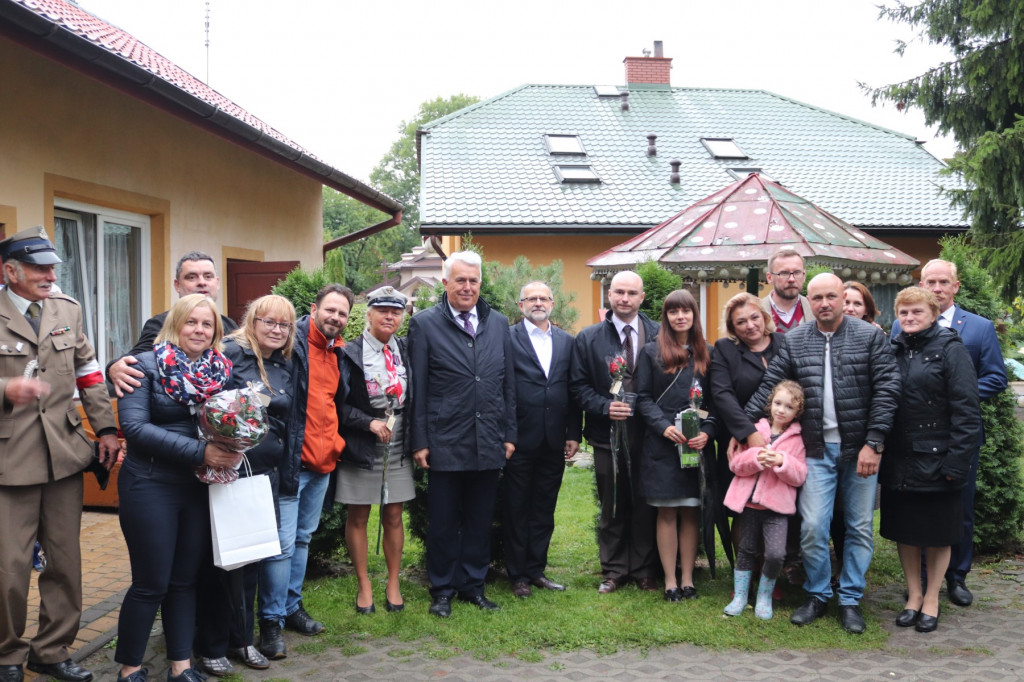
851, 387
549, 433
195, 274
625, 534
463, 429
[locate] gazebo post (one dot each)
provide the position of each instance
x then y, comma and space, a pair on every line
753, 280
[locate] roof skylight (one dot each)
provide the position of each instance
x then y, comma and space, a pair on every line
606, 90
567, 173
723, 148
564, 144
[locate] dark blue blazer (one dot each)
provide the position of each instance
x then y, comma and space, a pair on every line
979, 335
546, 413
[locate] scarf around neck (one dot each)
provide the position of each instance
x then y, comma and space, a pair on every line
191, 382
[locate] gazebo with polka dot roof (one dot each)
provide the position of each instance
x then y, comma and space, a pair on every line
734, 231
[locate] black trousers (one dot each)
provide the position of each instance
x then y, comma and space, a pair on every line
166, 525
460, 508
532, 480
626, 538
226, 612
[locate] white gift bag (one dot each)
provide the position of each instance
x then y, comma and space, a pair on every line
243, 522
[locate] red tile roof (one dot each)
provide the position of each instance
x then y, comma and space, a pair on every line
119, 42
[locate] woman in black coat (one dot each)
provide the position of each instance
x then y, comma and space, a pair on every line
260, 351
737, 366
928, 452
670, 376
375, 423
164, 510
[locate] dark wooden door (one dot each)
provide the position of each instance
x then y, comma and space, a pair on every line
248, 280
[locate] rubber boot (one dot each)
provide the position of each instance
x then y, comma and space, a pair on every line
741, 589
763, 606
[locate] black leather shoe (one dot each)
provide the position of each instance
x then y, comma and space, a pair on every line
65, 670
272, 640
907, 618
688, 592
812, 610
481, 602
673, 594
303, 623
851, 619
11, 673
547, 583
958, 592
926, 623
441, 607
365, 610
521, 589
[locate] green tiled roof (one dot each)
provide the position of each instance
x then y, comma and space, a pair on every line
487, 166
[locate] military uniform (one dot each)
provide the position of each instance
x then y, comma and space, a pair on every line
43, 450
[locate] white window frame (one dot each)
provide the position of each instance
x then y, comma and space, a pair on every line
70, 209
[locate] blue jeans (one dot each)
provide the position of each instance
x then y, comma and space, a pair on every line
281, 576
824, 477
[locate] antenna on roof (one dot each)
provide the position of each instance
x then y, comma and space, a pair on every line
207, 42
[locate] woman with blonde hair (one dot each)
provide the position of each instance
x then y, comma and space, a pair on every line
164, 509
261, 351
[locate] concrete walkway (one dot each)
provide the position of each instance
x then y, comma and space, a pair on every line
983, 642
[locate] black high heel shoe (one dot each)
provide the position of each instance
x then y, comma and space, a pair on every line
365, 610
389, 607
908, 618
926, 623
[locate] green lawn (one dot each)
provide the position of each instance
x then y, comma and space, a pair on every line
579, 617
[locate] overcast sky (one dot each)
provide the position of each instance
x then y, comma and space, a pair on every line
339, 76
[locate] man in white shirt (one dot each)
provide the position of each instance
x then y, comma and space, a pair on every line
549, 424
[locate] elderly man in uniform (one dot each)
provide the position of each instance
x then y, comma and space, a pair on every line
44, 357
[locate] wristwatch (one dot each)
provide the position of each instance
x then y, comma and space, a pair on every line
876, 445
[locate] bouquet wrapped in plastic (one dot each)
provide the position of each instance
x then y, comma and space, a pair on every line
688, 423
235, 420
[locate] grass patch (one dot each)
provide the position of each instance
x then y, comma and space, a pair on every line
580, 618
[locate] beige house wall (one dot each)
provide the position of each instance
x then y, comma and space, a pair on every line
65, 135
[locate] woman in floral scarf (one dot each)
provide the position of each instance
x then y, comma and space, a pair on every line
164, 509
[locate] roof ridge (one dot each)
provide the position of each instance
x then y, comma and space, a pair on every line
472, 107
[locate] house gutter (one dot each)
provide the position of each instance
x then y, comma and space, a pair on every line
68, 48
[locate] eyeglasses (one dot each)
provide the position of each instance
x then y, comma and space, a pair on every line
537, 299
787, 274
271, 324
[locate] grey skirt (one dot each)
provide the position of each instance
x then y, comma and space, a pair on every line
362, 486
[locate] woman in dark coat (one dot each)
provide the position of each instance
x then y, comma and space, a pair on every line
928, 452
737, 366
164, 508
670, 374
374, 421
260, 351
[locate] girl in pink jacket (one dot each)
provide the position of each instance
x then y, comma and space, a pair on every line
763, 493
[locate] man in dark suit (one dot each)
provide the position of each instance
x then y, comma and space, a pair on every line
625, 533
549, 425
463, 429
979, 335
44, 358
195, 274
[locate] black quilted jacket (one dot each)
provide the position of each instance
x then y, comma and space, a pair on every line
865, 383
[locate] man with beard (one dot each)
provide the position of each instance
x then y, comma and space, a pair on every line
320, 389
786, 275
549, 433
625, 533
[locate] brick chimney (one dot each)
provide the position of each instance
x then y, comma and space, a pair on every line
650, 72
